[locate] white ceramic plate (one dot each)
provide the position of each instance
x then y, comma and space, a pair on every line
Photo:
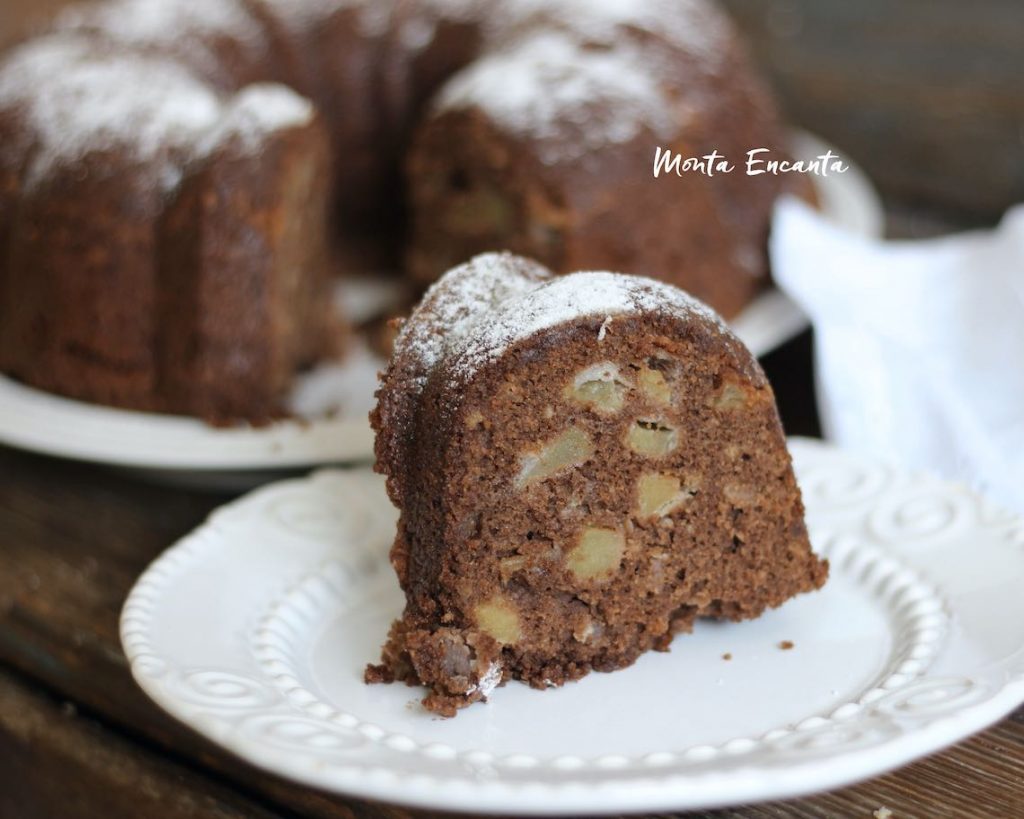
334, 400
255, 630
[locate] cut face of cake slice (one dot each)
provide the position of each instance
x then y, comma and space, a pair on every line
584, 465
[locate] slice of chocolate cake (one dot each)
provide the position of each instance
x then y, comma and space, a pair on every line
584, 465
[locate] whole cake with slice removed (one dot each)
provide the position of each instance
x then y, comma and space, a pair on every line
179, 179
584, 465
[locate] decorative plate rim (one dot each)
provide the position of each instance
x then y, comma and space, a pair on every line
888, 577
650, 782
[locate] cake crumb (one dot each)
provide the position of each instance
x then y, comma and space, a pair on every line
882, 813
786, 645
727, 656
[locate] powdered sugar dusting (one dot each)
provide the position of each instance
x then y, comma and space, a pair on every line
259, 110
374, 19
460, 300
580, 75
694, 26
418, 25
572, 100
489, 681
76, 102
164, 22
476, 312
566, 298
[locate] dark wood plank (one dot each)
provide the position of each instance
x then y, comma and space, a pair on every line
979, 779
55, 762
925, 94
72, 539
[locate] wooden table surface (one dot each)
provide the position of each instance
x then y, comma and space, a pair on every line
927, 94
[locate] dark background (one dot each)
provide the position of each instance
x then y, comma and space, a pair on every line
926, 95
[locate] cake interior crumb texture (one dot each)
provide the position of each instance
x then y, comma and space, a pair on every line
584, 465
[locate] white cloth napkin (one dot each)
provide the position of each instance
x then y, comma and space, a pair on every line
919, 345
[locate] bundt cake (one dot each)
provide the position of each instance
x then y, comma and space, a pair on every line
178, 178
164, 247
545, 146
583, 465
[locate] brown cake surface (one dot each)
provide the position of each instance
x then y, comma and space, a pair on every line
244, 261
545, 147
167, 246
583, 466
521, 124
